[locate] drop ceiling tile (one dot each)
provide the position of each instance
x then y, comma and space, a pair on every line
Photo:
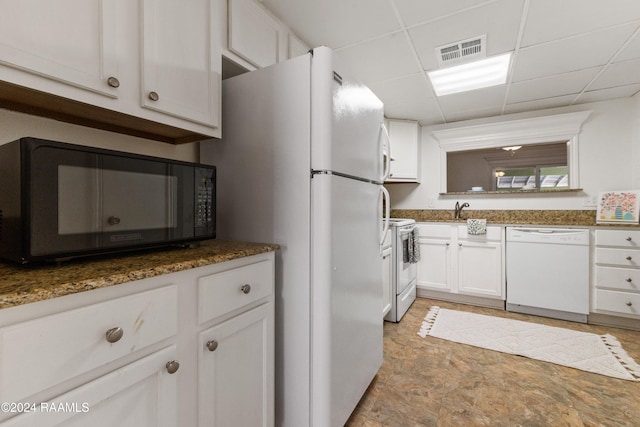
499, 21
539, 104
425, 112
547, 87
335, 23
609, 93
618, 74
473, 100
552, 19
413, 12
457, 116
630, 51
403, 89
365, 61
410, 98
575, 53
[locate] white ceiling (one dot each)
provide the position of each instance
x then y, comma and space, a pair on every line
565, 51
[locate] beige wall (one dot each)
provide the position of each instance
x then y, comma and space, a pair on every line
609, 156
15, 125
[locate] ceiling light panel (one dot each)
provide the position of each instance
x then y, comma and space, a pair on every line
470, 76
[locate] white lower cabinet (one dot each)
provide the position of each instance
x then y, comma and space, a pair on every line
455, 262
617, 273
142, 353
235, 371
140, 394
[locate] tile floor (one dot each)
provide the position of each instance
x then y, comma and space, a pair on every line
434, 382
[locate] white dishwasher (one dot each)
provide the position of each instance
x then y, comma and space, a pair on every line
548, 272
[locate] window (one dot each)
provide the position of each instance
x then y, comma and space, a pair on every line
535, 178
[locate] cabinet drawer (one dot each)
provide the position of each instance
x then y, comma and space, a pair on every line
41, 353
227, 291
619, 302
621, 257
437, 231
625, 279
623, 238
493, 233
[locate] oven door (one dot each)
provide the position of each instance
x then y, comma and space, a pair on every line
406, 271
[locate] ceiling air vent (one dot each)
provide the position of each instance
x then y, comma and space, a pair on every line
462, 51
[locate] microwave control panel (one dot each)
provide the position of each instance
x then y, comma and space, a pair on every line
205, 189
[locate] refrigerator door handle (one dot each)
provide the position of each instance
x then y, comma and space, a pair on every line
386, 153
386, 200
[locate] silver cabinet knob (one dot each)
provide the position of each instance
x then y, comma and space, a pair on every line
113, 82
113, 220
629, 258
629, 239
245, 288
629, 280
154, 96
460, 244
172, 366
629, 304
212, 345
114, 334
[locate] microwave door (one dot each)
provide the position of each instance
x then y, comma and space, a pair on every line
79, 204
139, 201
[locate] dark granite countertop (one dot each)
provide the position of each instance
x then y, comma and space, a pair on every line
22, 284
568, 218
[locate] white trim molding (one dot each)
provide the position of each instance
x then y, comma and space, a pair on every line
536, 130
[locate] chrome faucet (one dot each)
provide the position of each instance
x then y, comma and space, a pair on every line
458, 209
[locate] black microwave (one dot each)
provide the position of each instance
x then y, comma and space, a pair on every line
59, 201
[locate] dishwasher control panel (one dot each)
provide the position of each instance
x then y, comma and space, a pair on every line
564, 236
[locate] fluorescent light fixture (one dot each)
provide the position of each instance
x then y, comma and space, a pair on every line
512, 148
472, 75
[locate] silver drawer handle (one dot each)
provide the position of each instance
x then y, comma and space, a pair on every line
629, 304
212, 345
172, 366
629, 258
114, 334
245, 288
629, 239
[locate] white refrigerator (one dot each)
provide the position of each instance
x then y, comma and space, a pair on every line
301, 164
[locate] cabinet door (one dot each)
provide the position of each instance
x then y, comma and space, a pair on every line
253, 34
405, 151
236, 371
68, 41
179, 60
141, 394
480, 268
434, 267
387, 281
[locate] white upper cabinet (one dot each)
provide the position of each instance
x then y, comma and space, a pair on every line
180, 68
253, 33
46, 39
405, 151
149, 68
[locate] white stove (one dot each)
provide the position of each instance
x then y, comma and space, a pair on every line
404, 271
